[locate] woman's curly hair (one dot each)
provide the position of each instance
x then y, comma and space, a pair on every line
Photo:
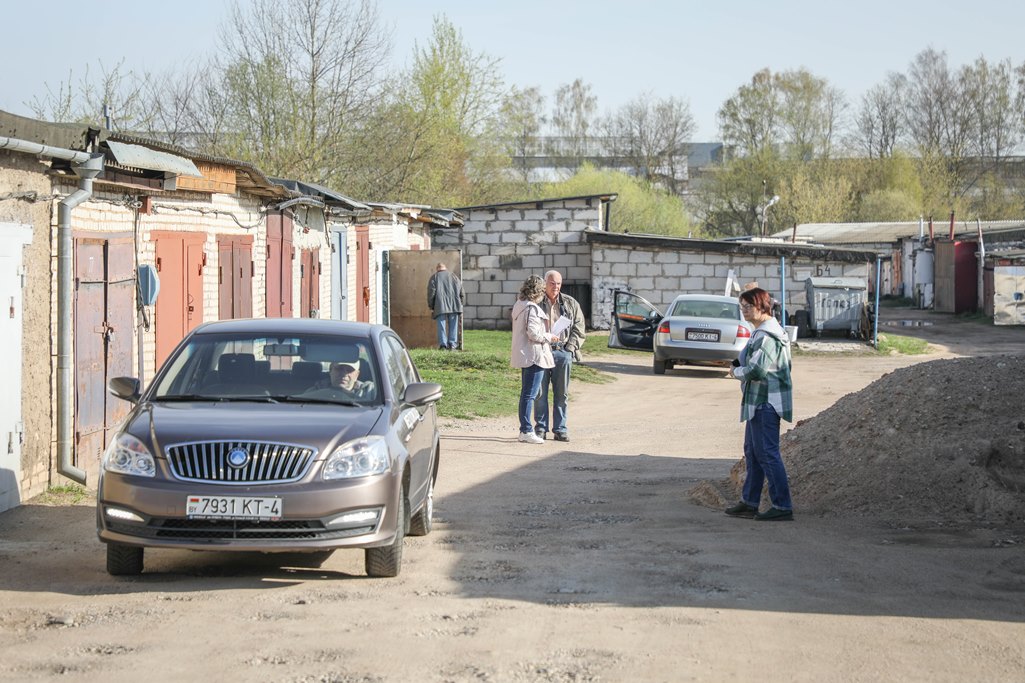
533, 289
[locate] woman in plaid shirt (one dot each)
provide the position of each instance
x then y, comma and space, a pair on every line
764, 374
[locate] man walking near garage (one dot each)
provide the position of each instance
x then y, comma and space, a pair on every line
557, 305
445, 298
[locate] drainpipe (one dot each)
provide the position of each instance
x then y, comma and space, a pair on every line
65, 274
86, 166
981, 283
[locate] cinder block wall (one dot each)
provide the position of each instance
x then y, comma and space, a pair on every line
502, 245
659, 275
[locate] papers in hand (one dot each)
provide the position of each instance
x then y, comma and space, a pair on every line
561, 325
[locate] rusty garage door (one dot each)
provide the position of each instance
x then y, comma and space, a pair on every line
179, 308
104, 301
234, 277
309, 279
408, 274
280, 253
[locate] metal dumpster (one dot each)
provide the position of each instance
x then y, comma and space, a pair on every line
835, 303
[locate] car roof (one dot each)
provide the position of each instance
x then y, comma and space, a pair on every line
290, 326
706, 297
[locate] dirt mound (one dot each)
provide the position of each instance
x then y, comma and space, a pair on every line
940, 442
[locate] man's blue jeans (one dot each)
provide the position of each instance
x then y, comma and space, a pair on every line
530, 383
558, 379
761, 454
448, 330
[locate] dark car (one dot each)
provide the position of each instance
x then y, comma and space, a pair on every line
273, 435
699, 329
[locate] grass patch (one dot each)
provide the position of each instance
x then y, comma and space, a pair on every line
976, 316
907, 346
66, 494
479, 382
891, 301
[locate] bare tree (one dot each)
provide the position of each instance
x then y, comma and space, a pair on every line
573, 117
879, 124
653, 136
991, 92
299, 77
113, 99
929, 84
522, 119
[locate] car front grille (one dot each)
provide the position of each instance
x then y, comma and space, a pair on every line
217, 530
264, 463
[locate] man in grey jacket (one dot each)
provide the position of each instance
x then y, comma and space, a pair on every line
445, 298
555, 305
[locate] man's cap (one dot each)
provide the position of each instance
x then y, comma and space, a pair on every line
351, 365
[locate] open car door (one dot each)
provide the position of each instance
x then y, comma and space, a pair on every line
634, 322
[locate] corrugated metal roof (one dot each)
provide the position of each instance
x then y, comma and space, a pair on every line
611, 196
871, 233
315, 190
137, 156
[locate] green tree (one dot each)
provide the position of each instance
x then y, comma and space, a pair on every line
814, 193
727, 204
888, 206
449, 111
639, 207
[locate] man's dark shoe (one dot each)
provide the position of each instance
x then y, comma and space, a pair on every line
742, 510
561, 436
541, 432
775, 515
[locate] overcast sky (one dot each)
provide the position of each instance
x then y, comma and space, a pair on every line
698, 51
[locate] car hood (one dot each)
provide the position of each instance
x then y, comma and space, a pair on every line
316, 425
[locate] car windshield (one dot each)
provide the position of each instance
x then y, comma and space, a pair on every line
294, 368
697, 308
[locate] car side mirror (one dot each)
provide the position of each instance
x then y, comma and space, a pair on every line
126, 388
421, 393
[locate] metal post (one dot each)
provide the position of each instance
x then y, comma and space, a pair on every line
875, 318
783, 289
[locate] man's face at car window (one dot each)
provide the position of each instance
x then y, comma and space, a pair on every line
343, 375
553, 284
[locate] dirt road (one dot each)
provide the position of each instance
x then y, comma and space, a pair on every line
584, 561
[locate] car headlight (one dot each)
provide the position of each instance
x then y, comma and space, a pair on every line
358, 458
128, 455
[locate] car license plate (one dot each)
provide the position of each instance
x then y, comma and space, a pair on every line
703, 335
232, 507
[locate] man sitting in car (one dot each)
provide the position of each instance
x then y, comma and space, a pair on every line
345, 376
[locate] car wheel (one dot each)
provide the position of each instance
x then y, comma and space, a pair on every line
423, 521
386, 561
124, 560
659, 366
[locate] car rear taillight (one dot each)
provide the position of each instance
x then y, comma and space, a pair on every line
664, 327
743, 332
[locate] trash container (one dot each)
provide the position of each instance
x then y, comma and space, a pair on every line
835, 303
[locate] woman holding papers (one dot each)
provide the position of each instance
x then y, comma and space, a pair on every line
531, 350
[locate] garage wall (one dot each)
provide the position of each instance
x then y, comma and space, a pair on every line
659, 274
26, 199
504, 244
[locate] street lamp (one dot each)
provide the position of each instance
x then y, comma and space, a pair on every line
763, 212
